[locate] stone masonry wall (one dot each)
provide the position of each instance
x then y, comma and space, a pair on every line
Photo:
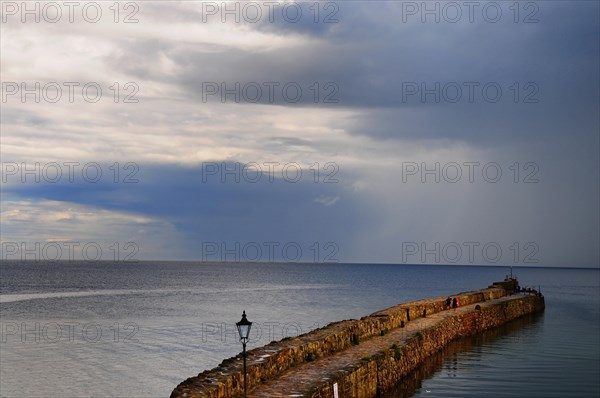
267, 362
388, 368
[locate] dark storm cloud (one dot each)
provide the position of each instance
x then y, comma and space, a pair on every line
372, 60
206, 209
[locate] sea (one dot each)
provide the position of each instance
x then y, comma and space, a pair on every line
137, 329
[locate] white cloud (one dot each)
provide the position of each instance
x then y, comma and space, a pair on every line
327, 200
26, 222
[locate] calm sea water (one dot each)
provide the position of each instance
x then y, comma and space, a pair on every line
137, 329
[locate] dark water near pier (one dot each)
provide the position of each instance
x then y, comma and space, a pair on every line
76, 329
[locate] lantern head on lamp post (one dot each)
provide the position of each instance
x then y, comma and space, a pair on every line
243, 328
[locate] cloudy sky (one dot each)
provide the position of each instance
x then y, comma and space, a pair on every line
353, 131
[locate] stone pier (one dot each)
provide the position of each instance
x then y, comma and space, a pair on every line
362, 358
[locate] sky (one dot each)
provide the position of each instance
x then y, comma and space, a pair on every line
348, 131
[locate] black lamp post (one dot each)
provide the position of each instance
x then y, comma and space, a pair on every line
243, 328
